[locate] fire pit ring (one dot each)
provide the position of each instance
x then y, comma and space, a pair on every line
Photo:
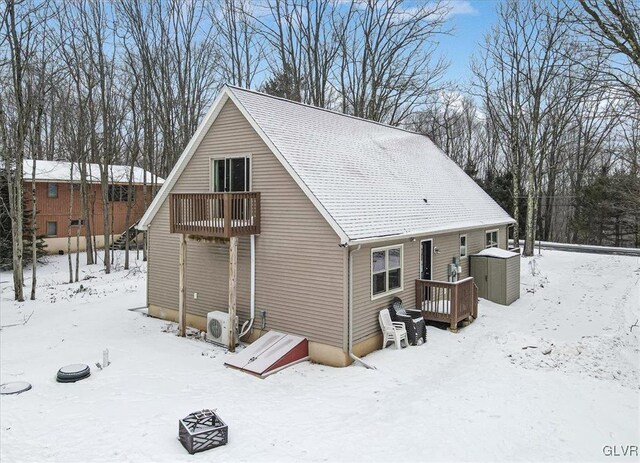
201, 431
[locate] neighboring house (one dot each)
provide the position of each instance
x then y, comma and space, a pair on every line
348, 214
59, 212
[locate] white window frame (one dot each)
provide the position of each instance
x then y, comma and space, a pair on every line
218, 157
386, 270
497, 242
49, 190
466, 246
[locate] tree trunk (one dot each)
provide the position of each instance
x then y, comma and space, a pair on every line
530, 223
34, 233
69, 224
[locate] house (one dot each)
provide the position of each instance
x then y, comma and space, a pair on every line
59, 200
313, 221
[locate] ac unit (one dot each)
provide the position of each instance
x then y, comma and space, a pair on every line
218, 327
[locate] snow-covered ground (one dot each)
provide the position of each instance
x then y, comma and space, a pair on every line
553, 377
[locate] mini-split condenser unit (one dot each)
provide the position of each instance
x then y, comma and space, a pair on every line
218, 327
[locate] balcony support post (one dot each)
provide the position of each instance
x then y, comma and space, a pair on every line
182, 312
233, 274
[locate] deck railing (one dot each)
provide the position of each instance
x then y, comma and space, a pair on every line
215, 214
448, 302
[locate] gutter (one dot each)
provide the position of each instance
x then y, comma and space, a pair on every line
375, 239
350, 312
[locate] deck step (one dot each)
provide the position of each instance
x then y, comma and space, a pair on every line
128, 235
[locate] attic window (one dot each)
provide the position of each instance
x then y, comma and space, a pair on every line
52, 190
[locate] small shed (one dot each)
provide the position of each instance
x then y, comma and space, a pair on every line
496, 272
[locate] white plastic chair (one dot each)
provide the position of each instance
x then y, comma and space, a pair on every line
392, 331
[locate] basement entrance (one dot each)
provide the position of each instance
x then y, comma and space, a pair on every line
270, 354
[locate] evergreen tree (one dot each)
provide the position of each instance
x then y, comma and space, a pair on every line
282, 84
6, 249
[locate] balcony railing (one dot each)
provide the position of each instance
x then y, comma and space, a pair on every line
220, 215
448, 302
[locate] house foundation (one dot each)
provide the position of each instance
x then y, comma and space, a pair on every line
318, 352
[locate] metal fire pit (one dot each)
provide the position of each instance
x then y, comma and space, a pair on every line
201, 431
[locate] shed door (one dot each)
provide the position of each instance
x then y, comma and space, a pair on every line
497, 280
479, 271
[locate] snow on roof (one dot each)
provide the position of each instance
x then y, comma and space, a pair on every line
374, 180
497, 252
369, 181
61, 171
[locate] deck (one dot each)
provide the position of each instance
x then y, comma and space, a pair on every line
447, 302
220, 215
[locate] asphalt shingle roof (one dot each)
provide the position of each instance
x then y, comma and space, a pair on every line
373, 180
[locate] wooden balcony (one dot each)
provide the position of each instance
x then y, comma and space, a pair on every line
447, 302
220, 215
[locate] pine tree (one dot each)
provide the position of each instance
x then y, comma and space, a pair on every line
6, 249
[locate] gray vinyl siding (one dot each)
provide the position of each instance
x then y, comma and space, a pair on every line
365, 310
300, 269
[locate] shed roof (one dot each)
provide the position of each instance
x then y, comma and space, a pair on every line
497, 252
369, 180
60, 171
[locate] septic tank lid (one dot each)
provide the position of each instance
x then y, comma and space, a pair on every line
14, 387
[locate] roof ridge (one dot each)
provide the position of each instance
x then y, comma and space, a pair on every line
319, 108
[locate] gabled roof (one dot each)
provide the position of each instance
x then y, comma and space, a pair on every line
367, 179
60, 171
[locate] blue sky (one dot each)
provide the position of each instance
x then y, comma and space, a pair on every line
470, 20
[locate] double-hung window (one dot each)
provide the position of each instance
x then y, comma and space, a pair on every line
463, 246
52, 228
386, 270
491, 240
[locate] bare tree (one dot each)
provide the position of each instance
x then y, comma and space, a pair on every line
20, 39
237, 42
613, 27
526, 57
387, 58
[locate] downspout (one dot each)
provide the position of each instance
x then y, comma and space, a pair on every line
145, 242
350, 311
246, 326
253, 277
